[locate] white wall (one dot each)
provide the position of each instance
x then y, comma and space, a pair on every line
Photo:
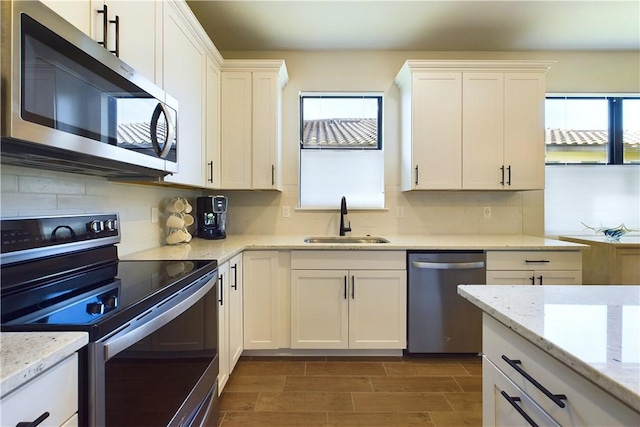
596, 195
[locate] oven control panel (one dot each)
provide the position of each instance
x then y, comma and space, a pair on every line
27, 238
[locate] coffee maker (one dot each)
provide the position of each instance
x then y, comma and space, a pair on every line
211, 217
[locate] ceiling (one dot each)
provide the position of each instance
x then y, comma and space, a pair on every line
420, 25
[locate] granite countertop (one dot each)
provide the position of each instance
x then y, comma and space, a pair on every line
25, 355
629, 241
592, 329
224, 249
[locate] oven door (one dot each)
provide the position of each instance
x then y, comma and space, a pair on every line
161, 368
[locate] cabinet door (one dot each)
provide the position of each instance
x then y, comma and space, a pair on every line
138, 39
184, 79
627, 266
261, 309
524, 148
236, 341
78, 13
224, 369
378, 309
265, 131
54, 391
560, 277
482, 130
319, 309
510, 277
236, 129
436, 117
212, 126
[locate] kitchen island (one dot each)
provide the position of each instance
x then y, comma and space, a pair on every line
581, 343
608, 262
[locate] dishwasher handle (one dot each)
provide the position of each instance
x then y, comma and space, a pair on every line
448, 265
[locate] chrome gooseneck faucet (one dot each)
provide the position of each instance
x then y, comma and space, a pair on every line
343, 212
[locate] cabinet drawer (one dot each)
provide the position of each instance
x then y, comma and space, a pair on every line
534, 260
348, 260
55, 391
586, 403
498, 411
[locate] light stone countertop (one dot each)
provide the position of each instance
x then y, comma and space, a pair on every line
25, 355
591, 329
629, 241
223, 250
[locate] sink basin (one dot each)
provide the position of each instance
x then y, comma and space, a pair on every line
345, 239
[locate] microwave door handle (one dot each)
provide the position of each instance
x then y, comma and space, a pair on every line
164, 151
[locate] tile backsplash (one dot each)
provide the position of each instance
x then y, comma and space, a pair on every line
33, 192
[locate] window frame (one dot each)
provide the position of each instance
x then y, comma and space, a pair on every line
615, 146
371, 152
342, 95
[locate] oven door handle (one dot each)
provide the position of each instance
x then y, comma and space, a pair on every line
158, 316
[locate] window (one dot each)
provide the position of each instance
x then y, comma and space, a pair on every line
341, 150
592, 129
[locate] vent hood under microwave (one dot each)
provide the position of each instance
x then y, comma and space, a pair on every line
68, 104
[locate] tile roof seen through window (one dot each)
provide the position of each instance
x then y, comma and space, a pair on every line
340, 133
587, 137
138, 133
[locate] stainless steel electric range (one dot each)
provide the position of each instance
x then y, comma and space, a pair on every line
152, 358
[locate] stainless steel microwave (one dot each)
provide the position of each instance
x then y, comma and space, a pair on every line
68, 104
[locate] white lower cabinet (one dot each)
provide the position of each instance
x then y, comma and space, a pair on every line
52, 395
230, 329
534, 267
350, 300
585, 404
261, 305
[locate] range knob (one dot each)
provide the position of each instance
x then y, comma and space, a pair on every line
95, 308
110, 302
96, 226
110, 224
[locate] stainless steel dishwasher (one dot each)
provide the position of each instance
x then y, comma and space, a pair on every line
439, 320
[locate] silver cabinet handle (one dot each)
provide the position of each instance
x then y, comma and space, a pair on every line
448, 265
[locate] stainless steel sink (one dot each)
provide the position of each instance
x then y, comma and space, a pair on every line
345, 239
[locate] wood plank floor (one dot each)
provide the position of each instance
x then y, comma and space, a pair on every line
353, 391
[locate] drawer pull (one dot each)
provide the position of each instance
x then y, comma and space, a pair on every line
537, 261
512, 401
35, 422
556, 398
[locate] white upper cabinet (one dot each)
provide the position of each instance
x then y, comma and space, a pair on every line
137, 35
212, 125
432, 118
472, 125
184, 69
250, 124
134, 26
77, 13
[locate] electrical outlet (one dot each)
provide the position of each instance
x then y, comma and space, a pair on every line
286, 212
486, 212
154, 215
400, 212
